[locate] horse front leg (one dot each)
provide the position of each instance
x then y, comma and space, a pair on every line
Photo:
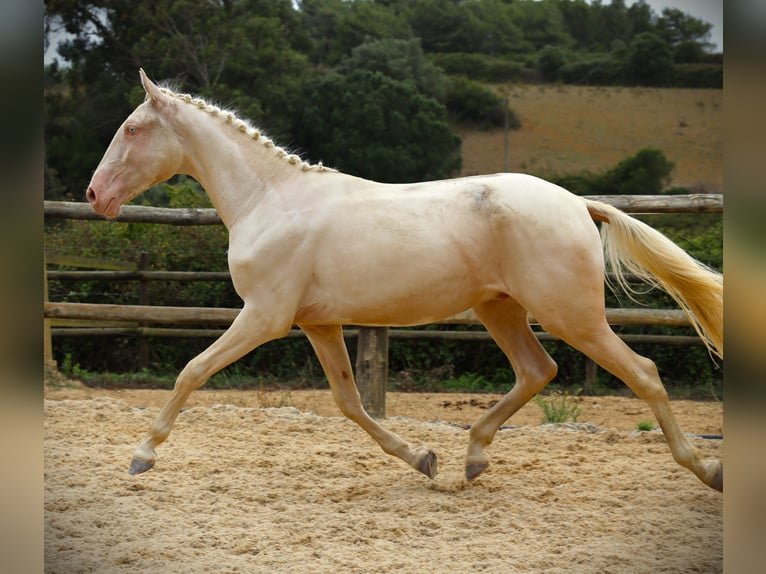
248, 330
327, 341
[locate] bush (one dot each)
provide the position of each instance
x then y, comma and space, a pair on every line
596, 71
649, 60
645, 173
480, 67
698, 76
474, 103
558, 408
550, 61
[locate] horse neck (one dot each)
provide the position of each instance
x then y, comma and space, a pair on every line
236, 171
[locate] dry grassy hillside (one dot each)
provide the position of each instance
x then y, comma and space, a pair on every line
568, 129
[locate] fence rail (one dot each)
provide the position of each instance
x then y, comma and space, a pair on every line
371, 371
693, 203
224, 316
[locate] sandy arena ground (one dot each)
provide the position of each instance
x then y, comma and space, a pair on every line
277, 482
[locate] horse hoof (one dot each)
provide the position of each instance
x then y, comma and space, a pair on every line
139, 465
717, 481
475, 469
427, 464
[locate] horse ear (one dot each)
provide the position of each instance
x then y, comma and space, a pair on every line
153, 92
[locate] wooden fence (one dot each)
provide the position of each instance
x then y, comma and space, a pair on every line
372, 347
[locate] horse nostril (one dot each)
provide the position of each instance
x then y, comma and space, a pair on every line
90, 195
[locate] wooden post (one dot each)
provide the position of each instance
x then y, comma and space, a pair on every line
372, 369
591, 371
47, 342
143, 299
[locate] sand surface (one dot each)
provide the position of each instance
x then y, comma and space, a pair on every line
278, 482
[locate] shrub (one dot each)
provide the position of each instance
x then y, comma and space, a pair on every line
472, 102
480, 67
645, 426
558, 408
698, 75
549, 62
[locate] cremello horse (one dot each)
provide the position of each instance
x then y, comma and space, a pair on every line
317, 248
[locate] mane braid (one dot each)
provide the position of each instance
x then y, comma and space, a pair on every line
246, 128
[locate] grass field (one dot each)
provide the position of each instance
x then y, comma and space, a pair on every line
568, 129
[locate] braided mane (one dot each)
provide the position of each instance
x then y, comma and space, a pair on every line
246, 128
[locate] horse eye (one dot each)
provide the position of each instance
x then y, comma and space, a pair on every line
131, 130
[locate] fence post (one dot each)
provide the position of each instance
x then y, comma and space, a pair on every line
591, 372
372, 369
47, 342
143, 299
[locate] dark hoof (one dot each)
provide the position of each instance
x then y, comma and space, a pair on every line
475, 469
717, 481
139, 465
427, 464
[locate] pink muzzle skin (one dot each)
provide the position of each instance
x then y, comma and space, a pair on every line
110, 209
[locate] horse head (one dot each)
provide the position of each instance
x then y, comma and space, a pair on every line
145, 150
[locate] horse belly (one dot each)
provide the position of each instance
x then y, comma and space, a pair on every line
401, 296
390, 311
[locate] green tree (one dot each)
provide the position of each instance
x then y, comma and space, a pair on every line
550, 61
677, 27
401, 60
445, 26
542, 23
337, 26
649, 60
370, 125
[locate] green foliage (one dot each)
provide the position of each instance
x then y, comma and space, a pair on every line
592, 69
401, 60
370, 125
558, 408
645, 426
698, 75
649, 60
336, 27
550, 60
481, 67
473, 103
645, 173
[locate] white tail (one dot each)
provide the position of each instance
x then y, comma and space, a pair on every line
631, 245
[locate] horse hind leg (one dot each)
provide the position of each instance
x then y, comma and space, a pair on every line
597, 340
327, 341
507, 323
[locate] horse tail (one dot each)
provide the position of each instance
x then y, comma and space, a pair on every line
631, 245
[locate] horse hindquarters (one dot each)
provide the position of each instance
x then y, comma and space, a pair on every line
572, 308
